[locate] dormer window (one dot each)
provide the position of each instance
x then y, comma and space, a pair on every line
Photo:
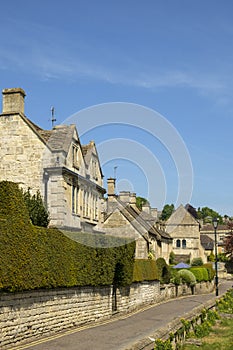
75, 156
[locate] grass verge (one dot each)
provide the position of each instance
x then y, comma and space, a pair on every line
219, 338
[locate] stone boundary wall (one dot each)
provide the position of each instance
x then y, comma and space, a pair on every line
30, 315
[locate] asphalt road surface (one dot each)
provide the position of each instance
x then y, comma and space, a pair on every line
119, 333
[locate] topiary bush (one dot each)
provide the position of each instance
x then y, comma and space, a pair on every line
187, 277
201, 273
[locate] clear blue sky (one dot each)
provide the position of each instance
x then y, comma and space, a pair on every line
172, 56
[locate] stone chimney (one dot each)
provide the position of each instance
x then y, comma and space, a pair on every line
111, 187
124, 196
13, 101
133, 200
146, 208
154, 212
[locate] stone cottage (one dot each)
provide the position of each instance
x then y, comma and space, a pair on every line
67, 174
207, 234
123, 219
185, 231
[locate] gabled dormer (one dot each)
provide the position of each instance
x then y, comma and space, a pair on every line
93, 167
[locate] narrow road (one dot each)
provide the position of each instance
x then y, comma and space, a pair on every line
118, 334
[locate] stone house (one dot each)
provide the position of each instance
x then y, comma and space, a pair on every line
185, 231
123, 219
67, 174
207, 233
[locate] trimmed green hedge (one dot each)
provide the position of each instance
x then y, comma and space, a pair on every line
145, 270
201, 273
33, 257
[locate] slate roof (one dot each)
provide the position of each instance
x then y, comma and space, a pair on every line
136, 218
210, 228
61, 138
57, 139
207, 242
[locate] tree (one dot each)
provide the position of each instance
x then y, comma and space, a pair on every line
38, 213
207, 215
229, 246
167, 211
140, 201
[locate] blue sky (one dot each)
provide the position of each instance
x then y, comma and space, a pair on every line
174, 57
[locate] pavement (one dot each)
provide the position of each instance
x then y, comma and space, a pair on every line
129, 331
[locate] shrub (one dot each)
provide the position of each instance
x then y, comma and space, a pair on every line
36, 208
210, 270
201, 273
187, 277
172, 258
211, 257
197, 262
163, 270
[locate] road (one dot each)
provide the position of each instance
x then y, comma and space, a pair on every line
119, 334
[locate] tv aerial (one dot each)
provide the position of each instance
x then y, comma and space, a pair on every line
53, 119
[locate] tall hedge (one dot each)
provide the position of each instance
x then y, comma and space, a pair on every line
145, 270
33, 257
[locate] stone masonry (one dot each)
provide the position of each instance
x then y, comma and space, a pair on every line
27, 316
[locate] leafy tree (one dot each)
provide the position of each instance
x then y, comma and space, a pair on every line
167, 211
230, 226
38, 213
229, 246
140, 201
208, 214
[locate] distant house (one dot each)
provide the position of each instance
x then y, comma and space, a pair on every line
184, 228
123, 219
222, 232
208, 244
67, 174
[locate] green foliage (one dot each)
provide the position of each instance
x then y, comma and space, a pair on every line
172, 258
145, 270
38, 214
163, 344
167, 211
197, 262
208, 214
210, 270
187, 277
222, 257
140, 201
36, 208
211, 257
201, 273
163, 270
225, 304
36, 257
